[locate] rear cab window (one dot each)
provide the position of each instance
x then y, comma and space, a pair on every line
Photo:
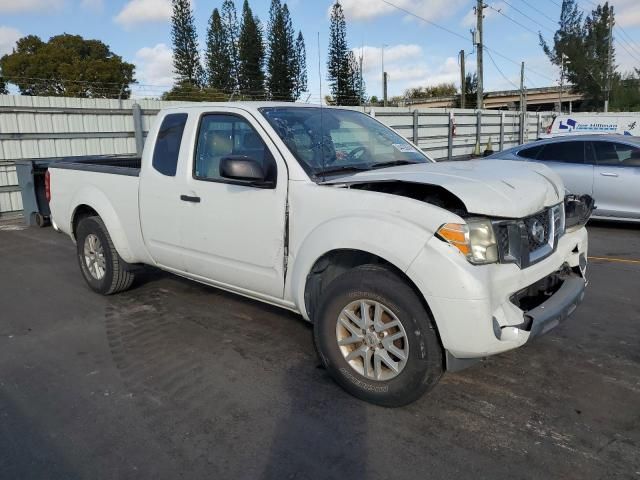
167, 147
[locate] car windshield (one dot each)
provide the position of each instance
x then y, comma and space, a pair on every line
333, 141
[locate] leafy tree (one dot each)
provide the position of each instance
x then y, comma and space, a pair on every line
67, 65
625, 92
230, 26
3, 86
300, 67
280, 71
217, 58
440, 90
585, 47
186, 59
470, 91
250, 54
343, 69
194, 93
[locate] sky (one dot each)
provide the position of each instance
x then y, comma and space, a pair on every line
416, 53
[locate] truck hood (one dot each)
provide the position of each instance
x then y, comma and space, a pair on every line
497, 188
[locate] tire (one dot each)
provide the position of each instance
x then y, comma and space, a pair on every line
113, 274
417, 340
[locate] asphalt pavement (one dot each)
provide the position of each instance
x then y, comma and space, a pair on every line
177, 380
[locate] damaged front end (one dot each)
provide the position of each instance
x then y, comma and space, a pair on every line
527, 241
578, 210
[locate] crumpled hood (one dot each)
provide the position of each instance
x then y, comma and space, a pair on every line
498, 188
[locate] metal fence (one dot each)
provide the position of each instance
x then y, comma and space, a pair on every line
42, 127
446, 134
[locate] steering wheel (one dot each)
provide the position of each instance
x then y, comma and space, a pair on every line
356, 152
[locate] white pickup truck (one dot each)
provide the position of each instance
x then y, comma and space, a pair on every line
406, 267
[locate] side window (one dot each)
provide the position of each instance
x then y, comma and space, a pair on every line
220, 136
167, 148
617, 154
565, 152
531, 152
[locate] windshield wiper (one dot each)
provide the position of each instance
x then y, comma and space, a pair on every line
343, 168
392, 163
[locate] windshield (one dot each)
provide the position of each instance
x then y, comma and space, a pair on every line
330, 140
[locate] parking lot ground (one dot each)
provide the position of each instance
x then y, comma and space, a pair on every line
177, 380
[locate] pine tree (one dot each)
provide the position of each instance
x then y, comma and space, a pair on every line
217, 57
250, 54
230, 25
280, 63
186, 59
596, 51
343, 69
300, 67
355, 86
585, 47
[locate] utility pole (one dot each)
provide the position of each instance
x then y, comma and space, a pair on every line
463, 79
562, 63
607, 92
479, 46
522, 105
384, 79
524, 125
360, 89
384, 87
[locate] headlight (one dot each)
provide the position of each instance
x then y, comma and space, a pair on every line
475, 239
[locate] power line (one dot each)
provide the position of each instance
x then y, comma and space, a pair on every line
425, 20
526, 16
456, 34
497, 10
500, 71
554, 21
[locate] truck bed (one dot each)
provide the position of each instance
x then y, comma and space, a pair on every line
113, 164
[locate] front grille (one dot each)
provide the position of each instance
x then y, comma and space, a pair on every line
529, 240
538, 229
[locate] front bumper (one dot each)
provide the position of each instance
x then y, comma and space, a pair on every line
474, 308
558, 307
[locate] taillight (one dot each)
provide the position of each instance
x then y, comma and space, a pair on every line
47, 186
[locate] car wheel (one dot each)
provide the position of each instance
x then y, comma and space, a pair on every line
376, 339
102, 268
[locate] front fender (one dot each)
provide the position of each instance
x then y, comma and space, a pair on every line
394, 239
97, 200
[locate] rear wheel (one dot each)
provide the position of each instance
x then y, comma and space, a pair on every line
376, 339
102, 268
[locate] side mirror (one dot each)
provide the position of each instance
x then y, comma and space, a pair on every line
243, 169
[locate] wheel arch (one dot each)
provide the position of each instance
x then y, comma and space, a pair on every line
94, 202
335, 262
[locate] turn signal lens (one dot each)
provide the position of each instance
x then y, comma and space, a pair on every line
457, 235
475, 239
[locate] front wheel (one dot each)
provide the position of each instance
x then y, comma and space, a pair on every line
376, 338
102, 268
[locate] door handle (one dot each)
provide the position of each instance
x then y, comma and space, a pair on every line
188, 198
608, 174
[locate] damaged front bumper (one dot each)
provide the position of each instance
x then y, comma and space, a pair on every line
486, 310
546, 303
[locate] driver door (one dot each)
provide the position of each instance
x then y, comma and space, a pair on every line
234, 234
